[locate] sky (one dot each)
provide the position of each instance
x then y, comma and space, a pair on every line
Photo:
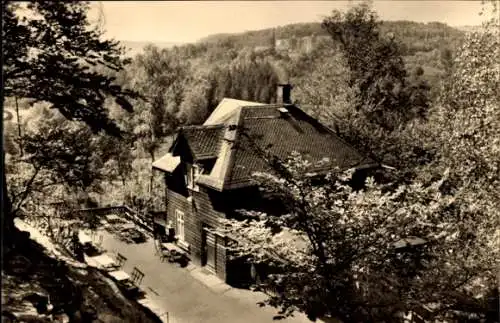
188, 21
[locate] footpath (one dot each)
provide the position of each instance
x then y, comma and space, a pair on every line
190, 294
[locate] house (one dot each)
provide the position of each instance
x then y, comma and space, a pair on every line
208, 169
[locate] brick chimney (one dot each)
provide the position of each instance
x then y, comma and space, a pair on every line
285, 93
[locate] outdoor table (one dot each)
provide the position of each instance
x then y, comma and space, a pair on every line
174, 253
84, 238
103, 262
119, 275
125, 283
113, 218
172, 247
127, 226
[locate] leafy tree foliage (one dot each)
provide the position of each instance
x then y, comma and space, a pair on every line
49, 54
326, 95
415, 37
335, 253
378, 74
59, 154
158, 76
356, 255
447, 60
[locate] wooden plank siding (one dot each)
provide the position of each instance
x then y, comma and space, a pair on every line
198, 213
220, 257
179, 202
207, 207
208, 212
205, 210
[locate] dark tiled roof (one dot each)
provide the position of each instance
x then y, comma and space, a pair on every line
277, 129
280, 135
204, 141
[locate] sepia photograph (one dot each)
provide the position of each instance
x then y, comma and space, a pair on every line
250, 161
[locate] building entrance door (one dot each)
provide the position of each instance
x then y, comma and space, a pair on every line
209, 249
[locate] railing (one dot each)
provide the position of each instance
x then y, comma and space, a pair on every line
144, 221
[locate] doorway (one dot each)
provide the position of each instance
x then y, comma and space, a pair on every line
209, 249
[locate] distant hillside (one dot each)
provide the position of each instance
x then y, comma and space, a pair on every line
298, 48
228, 65
415, 36
135, 47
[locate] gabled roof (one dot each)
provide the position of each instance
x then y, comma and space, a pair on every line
280, 133
167, 163
236, 126
204, 141
225, 110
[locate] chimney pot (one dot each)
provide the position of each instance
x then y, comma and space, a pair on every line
286, 93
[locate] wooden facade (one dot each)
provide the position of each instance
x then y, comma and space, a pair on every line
201, 210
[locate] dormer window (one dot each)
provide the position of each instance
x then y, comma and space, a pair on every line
192, 173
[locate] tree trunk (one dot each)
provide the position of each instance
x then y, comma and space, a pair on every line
7, 217
19, 129
152, 153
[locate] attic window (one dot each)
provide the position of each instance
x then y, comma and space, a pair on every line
283, 111
192, 173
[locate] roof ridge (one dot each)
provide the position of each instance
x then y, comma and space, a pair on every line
202, 126
270, 105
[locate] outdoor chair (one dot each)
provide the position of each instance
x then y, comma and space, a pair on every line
137, 276
100, 238
131, 287
158, 247
120, 260
165, 254
98, 244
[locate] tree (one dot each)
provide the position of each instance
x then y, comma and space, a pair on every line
447, 60
59, 153
337, 250
49, 54
336, 242
390, 131
158, 75
326, 95
196, 106
378, 73
42, 37
253, 80
324, 92
465, 121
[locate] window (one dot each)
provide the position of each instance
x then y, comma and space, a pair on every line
192, 173
179, 215
197, 171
